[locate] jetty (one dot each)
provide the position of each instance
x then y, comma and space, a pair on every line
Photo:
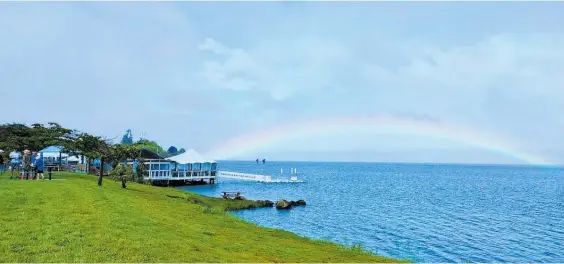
256, 177
190, 168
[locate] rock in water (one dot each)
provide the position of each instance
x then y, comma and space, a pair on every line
269, 203
297, 203
283, 204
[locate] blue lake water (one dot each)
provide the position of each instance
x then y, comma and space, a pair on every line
426, 213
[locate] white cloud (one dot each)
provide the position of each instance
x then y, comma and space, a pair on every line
507, 84
214, 46
280, 67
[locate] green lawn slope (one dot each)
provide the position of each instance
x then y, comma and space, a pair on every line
73, 220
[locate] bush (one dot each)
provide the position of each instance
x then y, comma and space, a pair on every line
122, 173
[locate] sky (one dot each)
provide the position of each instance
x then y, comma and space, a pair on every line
200, 74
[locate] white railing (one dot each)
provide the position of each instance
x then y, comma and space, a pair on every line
172, 174
244, 176
255, 177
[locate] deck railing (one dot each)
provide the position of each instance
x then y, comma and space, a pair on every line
163, 170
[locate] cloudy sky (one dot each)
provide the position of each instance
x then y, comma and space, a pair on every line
196, 75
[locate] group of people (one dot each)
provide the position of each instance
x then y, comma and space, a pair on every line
29, 165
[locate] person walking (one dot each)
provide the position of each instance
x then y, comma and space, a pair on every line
39, 166
26, 163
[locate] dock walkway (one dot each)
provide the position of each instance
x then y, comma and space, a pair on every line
255, 177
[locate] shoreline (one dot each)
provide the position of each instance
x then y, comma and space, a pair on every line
77, 221
231, 212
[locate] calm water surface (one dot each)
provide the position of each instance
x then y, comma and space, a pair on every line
427, 213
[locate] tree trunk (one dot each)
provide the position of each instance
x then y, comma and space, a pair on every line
101, 172
123, 183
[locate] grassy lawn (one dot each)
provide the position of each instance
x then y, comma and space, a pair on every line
73, 220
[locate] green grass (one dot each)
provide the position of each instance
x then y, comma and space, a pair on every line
73, 220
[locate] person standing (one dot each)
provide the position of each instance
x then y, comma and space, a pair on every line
2, 166
26, 163
33, 169
14, 162
39, 166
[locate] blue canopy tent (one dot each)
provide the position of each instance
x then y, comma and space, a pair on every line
54, 157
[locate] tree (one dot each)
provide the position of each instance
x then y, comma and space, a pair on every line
14, 136
35, 137
121, 153
127, 138
98, 148
54, 134
172, 150
152, 146
93, 147
182, 150
122, 173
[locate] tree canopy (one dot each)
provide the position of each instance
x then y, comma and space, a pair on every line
36, 137
152, 146
172, 150
127, 138
17, 136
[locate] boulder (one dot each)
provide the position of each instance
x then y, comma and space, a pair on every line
269, 203
297, 203
283, 204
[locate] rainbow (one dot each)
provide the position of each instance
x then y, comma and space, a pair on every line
251, 142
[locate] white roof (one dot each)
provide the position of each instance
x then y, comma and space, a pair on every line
63, 155
190, 156
73, 158
54, 155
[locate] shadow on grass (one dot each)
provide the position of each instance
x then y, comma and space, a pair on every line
135, 190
